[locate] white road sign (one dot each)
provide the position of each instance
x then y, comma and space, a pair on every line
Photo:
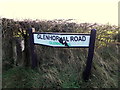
62, 39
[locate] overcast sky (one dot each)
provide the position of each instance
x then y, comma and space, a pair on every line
99, 11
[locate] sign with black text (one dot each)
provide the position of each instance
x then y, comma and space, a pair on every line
62, 39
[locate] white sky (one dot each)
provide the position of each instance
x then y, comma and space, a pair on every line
99, 11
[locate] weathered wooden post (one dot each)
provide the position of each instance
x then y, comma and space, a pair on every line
87, 70
32, 53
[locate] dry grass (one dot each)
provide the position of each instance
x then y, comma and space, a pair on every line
55, 71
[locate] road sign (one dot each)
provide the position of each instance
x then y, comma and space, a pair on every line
62, 39
65, 40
